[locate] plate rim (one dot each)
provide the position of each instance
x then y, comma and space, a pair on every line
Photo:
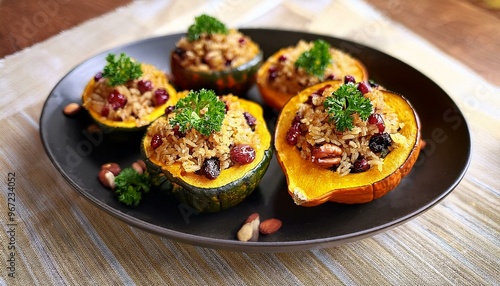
235, 245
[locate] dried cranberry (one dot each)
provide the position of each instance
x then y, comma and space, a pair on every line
296, 120
105, 110
179, 52
144, 86
349, 79
160, 97
156, 141
292, 135
116, 99
98, 76
169, 109
377, 119
360, 165
379, 142
273, 73
177, 131
211, 168
330, 77
228, 63
364, 87
242, 154
321, 90
242, 41
311, 98
282, 58
251, 120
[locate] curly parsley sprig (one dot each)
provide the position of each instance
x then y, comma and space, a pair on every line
201, 110
316, 60
343, 103
130, 185
120, 70
205, 24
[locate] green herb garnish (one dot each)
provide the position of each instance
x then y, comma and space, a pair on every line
201, 110
205, 24
343, 103
129, 186
316, 60
120, 70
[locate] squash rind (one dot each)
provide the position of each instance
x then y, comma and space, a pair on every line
217, 199
236, 81
229, 189
277, 99
355, 187
113, 126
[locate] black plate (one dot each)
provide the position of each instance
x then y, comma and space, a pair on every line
440, 167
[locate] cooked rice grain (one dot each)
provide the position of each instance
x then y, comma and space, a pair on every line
217, 52
354, 143
138, 106
194, 148
291, 80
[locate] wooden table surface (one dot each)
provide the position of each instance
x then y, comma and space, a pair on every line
468, 30
62, 238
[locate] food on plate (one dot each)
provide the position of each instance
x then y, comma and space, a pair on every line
210, 151
294, 68
215, 57
128, 184
127, 95
72, 109
345, 142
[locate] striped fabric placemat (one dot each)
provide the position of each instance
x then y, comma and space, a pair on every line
53, 236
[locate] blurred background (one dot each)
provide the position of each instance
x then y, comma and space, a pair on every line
468, 30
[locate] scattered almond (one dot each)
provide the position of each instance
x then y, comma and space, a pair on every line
270, 226
252, 217
137, 168
107, 178
245, 233
112, 167
72, 109
142, 164
93, 129
250, 229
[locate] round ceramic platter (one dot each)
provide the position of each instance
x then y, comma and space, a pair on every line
77, 155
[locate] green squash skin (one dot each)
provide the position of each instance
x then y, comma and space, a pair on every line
236, 81
208, 200
119, 134
158, 178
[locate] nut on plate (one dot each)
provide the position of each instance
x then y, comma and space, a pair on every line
270, 226
250, 229
107, 178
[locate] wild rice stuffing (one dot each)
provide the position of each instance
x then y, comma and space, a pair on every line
216, 52
191, 149
288, 79
318, 130
137, 106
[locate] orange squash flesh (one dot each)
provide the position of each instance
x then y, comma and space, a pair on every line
231, 187
109, 125
235, 172
310, 185
277, 99
236, 80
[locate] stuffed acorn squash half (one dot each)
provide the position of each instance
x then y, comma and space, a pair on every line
210, 152
127, 96
295, 68
345, 142
214, 57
